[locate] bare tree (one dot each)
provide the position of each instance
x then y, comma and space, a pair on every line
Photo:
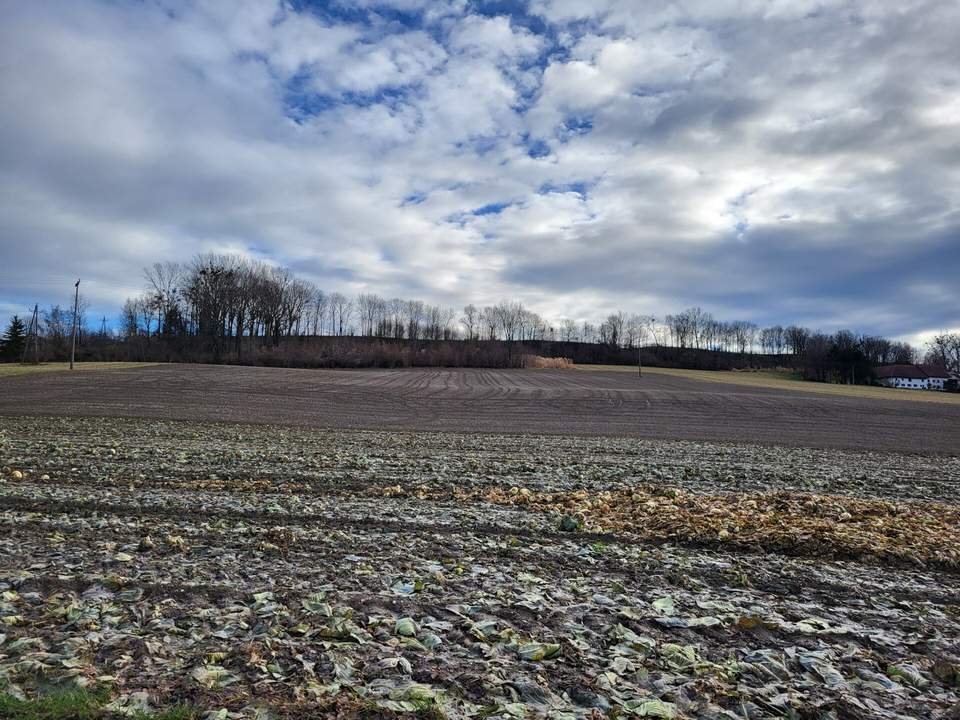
773, 339
163, 283
129, 319
744, 335
318, 311
681, 331
944, 349
144, 307
396, 312
489, 321
368, 308
508, 316
875, 348
341, 310
796, 339
470, 321
698, 321
637, 329
611, 329
588, 332
902, 353
414, 314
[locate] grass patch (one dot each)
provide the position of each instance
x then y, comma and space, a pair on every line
82, 705
786, 380
77, 705
14, 369
93, 705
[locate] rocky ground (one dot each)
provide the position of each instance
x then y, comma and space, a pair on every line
256, 570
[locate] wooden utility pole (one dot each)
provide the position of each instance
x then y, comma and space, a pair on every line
73, 335
34, 328
641, 334
26, 342
36, 334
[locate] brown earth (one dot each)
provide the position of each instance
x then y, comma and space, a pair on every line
228, 565
527, 401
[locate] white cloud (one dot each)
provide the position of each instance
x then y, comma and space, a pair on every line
604, 71
782, 161
493, 37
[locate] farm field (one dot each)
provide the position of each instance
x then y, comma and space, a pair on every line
612, 403
508, 544
274, 571
15, 369
783, 381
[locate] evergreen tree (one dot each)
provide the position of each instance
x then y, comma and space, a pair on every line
11, 345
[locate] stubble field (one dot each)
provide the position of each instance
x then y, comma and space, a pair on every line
282, 569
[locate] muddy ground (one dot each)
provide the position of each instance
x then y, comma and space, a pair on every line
240, 567
442, 400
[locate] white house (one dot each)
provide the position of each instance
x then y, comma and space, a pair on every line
937, 376
903, 376
914, 377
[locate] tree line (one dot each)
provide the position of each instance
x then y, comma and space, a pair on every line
228, 297
224, 307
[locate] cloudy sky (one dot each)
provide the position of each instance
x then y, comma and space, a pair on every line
777, 161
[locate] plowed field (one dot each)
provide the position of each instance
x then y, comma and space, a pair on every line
796, 556
527, 401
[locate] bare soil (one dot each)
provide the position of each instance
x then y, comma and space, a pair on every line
429, 574
513, 401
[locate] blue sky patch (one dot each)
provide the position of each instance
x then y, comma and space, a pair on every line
538, 148
492, 208
580, 188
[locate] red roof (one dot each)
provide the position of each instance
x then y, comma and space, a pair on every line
935, 371
910, 372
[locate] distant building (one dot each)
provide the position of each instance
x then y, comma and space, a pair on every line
937, 376
915, 377
903, 376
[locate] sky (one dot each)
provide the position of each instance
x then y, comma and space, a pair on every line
784, 161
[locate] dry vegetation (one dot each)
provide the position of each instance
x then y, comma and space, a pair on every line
832, 526
547, 363
15, 369
379, 574
786, 380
